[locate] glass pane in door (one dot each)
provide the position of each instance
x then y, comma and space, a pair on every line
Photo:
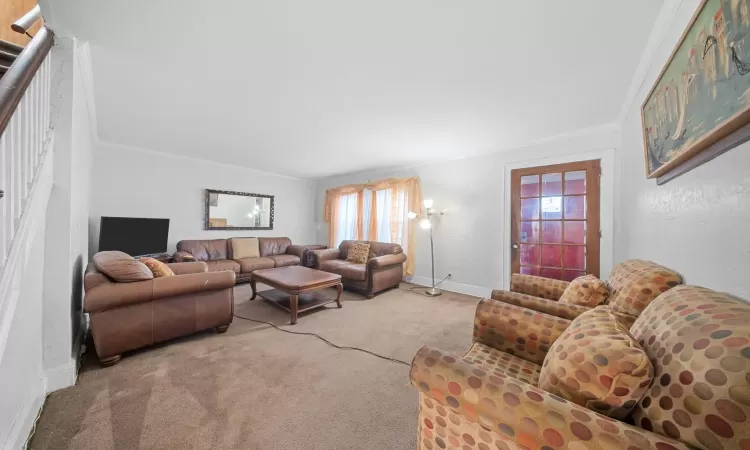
553, 226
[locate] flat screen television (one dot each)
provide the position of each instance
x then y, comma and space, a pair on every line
133, 235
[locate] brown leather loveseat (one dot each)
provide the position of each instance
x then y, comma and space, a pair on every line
130, 309
384, 268
219, 254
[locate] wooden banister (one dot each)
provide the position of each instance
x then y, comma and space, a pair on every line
25, 23
14, 82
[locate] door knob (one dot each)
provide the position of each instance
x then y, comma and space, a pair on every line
515, 246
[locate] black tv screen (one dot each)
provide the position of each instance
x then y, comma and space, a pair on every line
134, 236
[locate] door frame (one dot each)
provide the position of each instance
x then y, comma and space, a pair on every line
606, 207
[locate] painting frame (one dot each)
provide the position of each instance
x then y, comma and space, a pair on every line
708, 146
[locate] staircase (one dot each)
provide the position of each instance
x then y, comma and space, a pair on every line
25, 186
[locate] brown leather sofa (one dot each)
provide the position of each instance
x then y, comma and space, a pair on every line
217, 254
142, 310
384, 268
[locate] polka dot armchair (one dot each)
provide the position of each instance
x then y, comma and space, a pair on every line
633, 284
697, 396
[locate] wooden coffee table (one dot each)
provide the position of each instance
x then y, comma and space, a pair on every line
295, 288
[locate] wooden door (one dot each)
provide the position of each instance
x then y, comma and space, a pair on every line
555, 220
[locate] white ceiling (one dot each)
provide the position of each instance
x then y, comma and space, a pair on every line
315, 88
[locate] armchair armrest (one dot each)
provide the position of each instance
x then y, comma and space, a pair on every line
386, 260
551, 307
519, 412
115, 295
518, 331
300, 250
538, 286
185, 268
183, 257
324, 255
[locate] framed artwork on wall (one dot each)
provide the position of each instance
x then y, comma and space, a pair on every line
700, 104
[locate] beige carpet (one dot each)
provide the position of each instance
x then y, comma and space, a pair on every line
258, 388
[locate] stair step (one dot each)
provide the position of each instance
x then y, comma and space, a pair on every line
3, 69
10, 47
7, 58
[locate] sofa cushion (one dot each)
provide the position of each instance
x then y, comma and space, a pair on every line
634, 283
699, 342
495, 361
358, 253
248, 265
596, 363
587, 290
244, 248
345, 269
285, 260
121, 267
273, 246
224, 264
158, 268
205, 250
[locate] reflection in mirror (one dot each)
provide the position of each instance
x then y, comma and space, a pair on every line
238, 210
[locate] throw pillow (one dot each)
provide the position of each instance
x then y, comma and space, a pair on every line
245, 248
585, 291
158, 268
121, 267
596, 363
359, 253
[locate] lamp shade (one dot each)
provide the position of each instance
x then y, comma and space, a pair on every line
425, 224
412, 215
427, 203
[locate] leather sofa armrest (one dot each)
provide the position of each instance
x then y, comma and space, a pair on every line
538, 286
115, 295
542, 305
518, 331
502, 404
324, 255
296, 250
185, 268
183, 257
192, 283
386, 260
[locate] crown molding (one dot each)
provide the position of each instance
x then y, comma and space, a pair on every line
648, 57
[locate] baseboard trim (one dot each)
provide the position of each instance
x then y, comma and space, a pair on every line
468, 289
24, 423
61, 377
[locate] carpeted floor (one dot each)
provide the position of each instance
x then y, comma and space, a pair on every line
258, 388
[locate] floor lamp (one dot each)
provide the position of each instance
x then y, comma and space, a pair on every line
426, 224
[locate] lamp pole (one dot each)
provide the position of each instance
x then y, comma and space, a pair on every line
432, 292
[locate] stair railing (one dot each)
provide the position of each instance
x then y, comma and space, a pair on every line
24, 130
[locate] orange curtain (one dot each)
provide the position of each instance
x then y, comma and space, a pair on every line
412, 192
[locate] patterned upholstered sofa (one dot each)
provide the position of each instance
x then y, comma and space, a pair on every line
632, 285
696, 393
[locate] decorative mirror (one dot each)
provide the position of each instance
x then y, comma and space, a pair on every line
228, 210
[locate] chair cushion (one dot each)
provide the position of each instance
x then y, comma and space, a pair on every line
121, 267
596, 363
634, 283
223, 264
245, 248
587, 290
247, 265
285, 260
345, 269
699, 342
158, 268
359, 253
498, 362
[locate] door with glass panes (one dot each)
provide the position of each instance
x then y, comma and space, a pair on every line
555, 220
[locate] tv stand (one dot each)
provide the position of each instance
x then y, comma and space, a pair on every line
162, 257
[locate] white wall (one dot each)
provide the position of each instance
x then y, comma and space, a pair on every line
470, 238
66, 247
135, 183
696, 224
